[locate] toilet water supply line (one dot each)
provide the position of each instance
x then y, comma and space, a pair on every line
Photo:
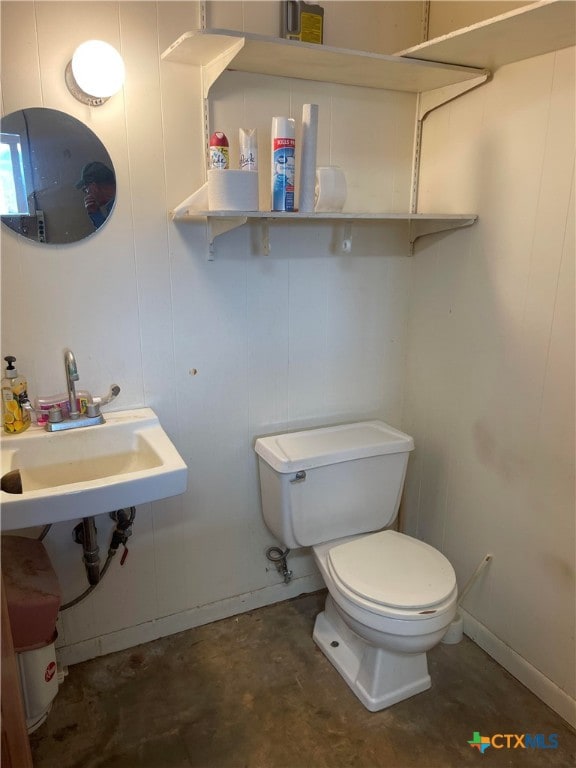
279, 557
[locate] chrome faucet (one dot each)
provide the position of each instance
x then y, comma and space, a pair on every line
57, 422
71, 376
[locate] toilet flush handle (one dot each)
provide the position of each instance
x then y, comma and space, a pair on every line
299, 477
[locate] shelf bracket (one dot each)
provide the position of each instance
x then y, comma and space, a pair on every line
265, 236
218, 226
347, 238
259, 236
209, 74
418, 229
212, 71
428, 101
431, 100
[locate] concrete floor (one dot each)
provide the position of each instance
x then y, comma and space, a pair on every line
253, 691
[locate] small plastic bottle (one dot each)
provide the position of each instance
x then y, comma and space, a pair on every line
15, 416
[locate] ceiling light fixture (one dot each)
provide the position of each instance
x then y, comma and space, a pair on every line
95, 73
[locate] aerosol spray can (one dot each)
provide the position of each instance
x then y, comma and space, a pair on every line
248, 141
219, 151
283, 163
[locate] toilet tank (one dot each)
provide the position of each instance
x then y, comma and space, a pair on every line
327, 483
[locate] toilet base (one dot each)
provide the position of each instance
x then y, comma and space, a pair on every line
378, 677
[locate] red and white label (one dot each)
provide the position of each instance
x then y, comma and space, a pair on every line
50, 671
279, 143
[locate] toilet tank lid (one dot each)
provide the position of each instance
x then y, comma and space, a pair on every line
296, 451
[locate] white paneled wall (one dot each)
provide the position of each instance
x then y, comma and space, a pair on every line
364, 25
305, 336
490, 377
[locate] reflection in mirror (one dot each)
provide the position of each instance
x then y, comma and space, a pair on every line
57, 181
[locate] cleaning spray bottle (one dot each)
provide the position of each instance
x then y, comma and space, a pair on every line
283, 163
15, 415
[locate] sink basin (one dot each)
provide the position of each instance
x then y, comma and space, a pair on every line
126, 461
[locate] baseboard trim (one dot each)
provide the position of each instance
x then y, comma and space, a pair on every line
178, 622
522, 670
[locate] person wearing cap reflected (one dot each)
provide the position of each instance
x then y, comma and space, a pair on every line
98, 183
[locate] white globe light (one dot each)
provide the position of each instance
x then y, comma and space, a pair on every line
98, 68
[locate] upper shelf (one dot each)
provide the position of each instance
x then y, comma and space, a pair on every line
535, 29
463, 55
217, 49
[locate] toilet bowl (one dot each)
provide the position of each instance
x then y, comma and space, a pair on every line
391, 597
376, 629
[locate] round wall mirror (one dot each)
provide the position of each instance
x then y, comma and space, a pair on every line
57, 181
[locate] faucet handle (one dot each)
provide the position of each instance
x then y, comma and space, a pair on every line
93, 410
105, 399
55, 415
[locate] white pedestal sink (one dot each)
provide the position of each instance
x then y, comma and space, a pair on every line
82, 472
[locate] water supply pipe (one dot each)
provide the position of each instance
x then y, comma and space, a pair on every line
120, 535
91, 550
279, 558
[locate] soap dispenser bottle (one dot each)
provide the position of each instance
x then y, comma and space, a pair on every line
15, 415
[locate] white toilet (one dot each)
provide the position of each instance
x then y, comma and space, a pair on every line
391, 597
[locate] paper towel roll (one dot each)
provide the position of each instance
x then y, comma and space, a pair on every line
232, 190
308, 157
330, 189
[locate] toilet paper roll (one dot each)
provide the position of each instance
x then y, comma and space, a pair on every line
230, 190
308, 157
331, 190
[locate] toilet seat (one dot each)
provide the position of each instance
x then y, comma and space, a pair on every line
391, 574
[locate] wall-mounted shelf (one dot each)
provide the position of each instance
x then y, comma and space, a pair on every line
442, 69
535, 29
218, 49
448, 65
213, 51
462, 55
419, 224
